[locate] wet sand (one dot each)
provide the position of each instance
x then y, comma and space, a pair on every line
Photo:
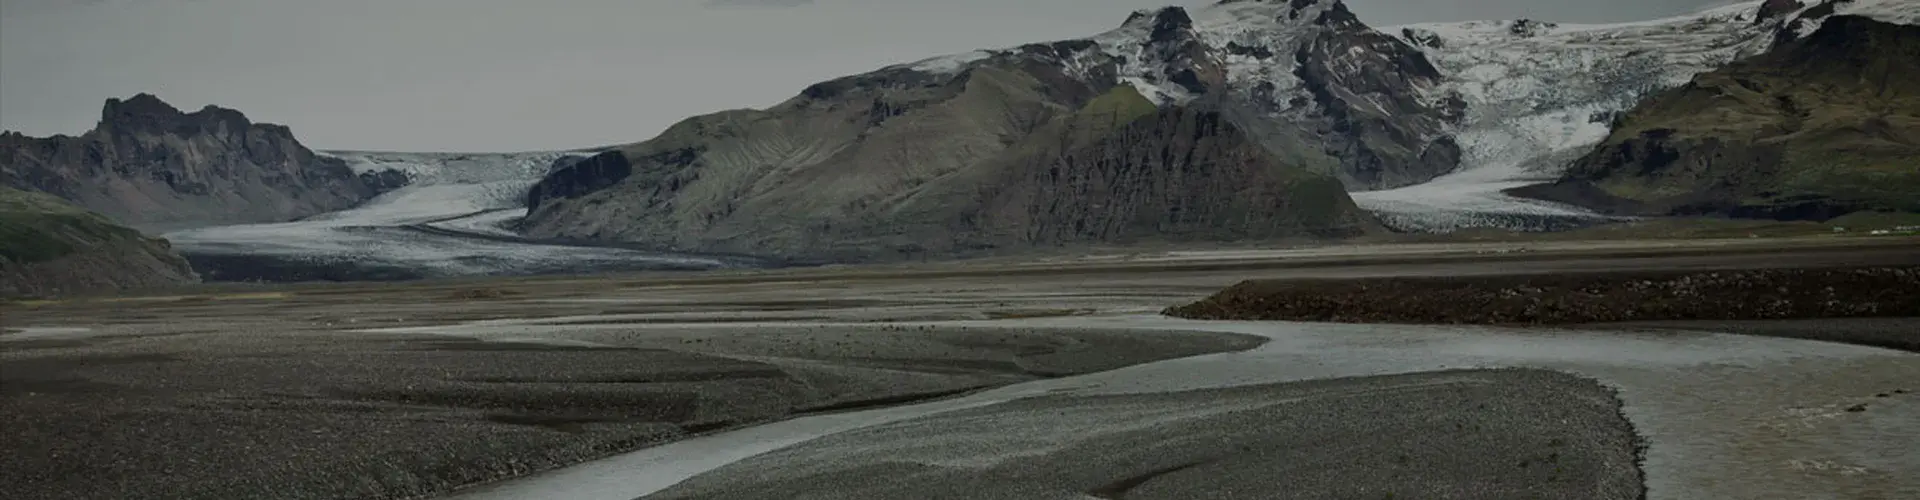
1456, 434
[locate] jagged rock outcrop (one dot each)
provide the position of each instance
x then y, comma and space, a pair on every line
151, 166
1284, 105
1774, 9
1375, 93
574, 177
49, 247
1821, 126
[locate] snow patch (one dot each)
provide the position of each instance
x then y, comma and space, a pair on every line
949, 64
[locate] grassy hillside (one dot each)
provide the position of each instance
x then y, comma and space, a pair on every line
36, 227
48, 246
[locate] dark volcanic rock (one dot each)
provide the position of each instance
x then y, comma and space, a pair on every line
1574, 298
1163, 177
149, 165
1776, 8
580, 176
1402, 140
381, 181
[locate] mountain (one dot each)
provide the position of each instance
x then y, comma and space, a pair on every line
1824, 124
50, 247
1246, 119
149, 165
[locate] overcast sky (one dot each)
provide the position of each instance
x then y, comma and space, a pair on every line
510, 75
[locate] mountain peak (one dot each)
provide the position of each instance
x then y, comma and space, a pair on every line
1169, 23
1161, 23
145, 111
141, 105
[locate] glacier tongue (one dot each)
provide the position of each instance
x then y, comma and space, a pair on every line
1540, 94
451, 220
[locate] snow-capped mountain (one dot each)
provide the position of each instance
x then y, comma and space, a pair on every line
1242, 119
1520, 98
1372, 102
453, 218
1245, 119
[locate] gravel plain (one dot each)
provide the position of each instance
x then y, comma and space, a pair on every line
1487, 434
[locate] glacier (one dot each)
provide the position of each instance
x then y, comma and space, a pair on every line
454, 218
1541, 94
1537, 94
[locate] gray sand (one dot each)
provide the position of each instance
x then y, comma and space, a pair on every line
1459, 434
255, 414
1891, 333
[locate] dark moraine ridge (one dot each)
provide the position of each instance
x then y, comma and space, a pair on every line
1565, 299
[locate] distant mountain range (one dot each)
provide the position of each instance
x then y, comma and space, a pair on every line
1241, 120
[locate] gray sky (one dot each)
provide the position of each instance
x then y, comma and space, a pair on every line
507, 75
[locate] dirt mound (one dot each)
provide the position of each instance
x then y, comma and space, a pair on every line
1575, 298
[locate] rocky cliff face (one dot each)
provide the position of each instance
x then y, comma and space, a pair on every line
151, 166
1297, 97
1821, 126
49, 247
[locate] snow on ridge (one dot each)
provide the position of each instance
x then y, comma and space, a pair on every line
444, 168
1273, 26
947, 64
1265, 32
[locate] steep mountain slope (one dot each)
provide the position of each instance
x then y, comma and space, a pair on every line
50, 247
151, 166
1277, 101
1819, 127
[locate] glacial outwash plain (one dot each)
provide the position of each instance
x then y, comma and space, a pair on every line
1251, 249
1001, 379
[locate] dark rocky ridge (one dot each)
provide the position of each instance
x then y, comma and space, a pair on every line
575, 178
1819, 127
149, 165
1408, 143
1741, 294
